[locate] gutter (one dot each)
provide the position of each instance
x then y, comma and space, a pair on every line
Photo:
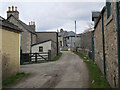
118, 39
103, 45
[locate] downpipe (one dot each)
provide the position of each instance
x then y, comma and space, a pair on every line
103, 43
118, 39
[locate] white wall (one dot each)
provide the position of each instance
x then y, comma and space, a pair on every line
0, 59
19, 48
46, 46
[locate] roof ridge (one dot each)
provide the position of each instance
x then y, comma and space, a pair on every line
6, 23
21, 22
43, 42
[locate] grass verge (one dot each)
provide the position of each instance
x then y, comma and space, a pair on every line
57, 57
97, 79
13, 79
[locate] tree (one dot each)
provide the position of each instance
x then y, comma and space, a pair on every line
90, 28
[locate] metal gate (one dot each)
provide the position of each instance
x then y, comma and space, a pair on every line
35, 57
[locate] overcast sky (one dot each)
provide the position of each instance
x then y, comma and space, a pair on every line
50, 16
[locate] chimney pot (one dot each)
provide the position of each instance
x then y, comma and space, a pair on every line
12, 8
9, 8
15, 8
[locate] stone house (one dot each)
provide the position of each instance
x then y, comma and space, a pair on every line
53, 37
9, 48
67, 40
61, 40
107, 42
45, 46
71, 39
28, 35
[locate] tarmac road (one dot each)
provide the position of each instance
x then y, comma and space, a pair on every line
68, 72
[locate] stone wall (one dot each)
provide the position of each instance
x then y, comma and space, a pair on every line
110, 44
53, 49
26, 36
60, 41
119, 11
98, 46
85, 41
42, 36
34, 38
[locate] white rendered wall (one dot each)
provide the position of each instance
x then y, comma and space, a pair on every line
46, 46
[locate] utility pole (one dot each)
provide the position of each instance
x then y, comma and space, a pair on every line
75, 38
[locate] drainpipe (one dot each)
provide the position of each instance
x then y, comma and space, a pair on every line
31, 44
92, 38
118, 39
57, 43
103, 42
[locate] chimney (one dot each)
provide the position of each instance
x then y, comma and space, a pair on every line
95, 16
15, 8
12, 8
15, 13
61, 30
9, 8
32, 25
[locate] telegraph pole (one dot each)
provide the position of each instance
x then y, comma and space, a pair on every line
75, 38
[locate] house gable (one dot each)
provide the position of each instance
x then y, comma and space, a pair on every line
21, 24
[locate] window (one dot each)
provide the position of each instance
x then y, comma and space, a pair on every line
40, 49
109, 9
60, 43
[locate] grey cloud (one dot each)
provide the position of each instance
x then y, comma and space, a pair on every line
50, 16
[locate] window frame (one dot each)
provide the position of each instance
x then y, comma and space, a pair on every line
40, 49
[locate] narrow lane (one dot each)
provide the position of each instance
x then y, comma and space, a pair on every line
68, 72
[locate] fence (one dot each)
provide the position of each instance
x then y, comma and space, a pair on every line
35, 57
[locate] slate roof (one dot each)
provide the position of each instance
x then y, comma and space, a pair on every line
70, 34
24, 25
63, 33
8, 25
67, 34
1, 18
42, 42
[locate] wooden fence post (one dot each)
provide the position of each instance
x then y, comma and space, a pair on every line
21, 58
49, 55
35, 57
